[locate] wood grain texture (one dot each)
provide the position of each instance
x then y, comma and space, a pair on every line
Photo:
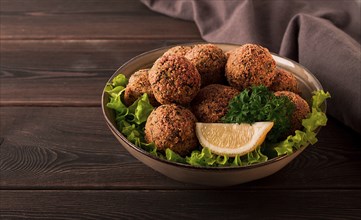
169, 204
73, 69
66, 147
75, 55
87, 20
73, 6
64, 73
58, 148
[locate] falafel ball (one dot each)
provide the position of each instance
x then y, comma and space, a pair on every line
302, 109
211, 103
210, 61
172, 126
138, 84
284, 81
250, 65
174, 79
178, 50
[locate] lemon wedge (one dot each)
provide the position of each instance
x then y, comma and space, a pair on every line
232, 139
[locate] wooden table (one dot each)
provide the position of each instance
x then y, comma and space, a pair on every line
58, 159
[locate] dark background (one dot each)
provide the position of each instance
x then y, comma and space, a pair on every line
59, 160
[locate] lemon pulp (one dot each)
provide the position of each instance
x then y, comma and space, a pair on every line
232, 139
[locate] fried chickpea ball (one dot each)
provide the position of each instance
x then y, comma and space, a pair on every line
284, 81
302, 109
210, 61
250, 65
172, 126
211, 103
174, 79
178, 50
138, 85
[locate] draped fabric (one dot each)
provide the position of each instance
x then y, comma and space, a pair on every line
322, 35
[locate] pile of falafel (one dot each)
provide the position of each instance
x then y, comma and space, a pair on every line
195, 83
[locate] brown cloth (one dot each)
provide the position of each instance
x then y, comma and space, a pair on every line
322, 35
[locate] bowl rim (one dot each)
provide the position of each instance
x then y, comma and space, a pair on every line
188, 166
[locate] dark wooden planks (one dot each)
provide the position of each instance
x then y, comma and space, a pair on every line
66, 147
169, 204
74, 65
93, 27
56, 148
64, 72
75, 55
88, 20
73, 6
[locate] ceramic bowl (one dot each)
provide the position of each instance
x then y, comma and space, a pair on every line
212, 176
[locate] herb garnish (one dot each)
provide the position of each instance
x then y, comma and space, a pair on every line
260, 104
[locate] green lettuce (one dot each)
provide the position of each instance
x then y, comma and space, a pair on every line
202, 158
173, 156
130, 120
316, 119
205, 157
255, 156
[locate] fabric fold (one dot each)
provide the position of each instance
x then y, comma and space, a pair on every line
323, 36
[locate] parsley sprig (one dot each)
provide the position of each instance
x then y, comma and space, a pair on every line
260, 104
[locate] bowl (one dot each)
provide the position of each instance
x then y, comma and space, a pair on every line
211, 176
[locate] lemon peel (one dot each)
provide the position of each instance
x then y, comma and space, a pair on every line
232, 139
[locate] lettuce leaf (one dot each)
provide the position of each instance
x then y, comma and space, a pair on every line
140, 109
308, 136
130, 120
173, 156
255, 156
120, 80
201, 158
206, 158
